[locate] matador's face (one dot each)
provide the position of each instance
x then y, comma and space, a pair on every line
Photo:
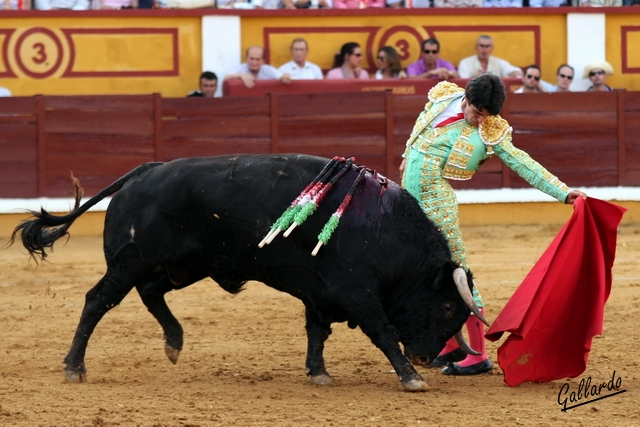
473, 115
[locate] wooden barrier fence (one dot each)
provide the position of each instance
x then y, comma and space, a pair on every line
588, 139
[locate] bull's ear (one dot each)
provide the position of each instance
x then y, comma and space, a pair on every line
445, 274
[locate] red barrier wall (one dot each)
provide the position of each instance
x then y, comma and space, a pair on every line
588, 139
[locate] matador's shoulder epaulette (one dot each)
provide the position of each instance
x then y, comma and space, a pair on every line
493, 130
443, 91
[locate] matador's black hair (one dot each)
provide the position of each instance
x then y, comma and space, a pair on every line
486, 91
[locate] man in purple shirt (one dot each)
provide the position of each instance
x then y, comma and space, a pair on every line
430, 66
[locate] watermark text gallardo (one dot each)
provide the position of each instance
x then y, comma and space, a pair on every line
588, 391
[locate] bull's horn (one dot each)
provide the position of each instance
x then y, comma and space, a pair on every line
463, 344
460, 278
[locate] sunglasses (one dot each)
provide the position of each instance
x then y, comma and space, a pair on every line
565, 76
529, 76
381, 58
596, 73
485, 46
427, 51
357, 54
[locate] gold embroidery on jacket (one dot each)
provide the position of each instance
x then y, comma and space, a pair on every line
444, 91
456, 167
493, 130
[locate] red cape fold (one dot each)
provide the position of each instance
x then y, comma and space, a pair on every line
559, 307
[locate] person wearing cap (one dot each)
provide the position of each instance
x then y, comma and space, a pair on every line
597, 72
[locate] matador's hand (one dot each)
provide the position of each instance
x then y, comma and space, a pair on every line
573, 195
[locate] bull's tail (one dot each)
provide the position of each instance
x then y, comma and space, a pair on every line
42, 230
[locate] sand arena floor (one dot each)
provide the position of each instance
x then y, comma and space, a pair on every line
243, 360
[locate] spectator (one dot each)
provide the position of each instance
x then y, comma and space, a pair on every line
431, 66
389, 66
600, 3
531, 81
255, 69
547, 3
346, 64
307, 4
358, 4
114, 4
482, 62
62, 4
597, 72
564, 77
208, 86
502, 3
17, 5
299, 68
457, 3
268, 4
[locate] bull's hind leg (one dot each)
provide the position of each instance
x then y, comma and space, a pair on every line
98, 301
317, 334
122, 274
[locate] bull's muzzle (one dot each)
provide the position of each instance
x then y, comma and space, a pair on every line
419, 360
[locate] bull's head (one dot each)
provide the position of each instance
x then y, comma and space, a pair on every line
444, 309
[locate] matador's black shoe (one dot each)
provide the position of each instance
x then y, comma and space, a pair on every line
479, 368
456, 355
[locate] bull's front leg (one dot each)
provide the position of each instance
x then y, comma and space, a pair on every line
152, 295
384, 336
370, 316
317, 334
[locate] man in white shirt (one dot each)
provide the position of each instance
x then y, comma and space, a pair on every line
255, 69
299, 68
483, 62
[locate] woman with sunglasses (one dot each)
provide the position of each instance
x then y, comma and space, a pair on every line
346, 64
389, 66
597, 72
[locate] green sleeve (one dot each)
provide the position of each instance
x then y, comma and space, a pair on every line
530, 170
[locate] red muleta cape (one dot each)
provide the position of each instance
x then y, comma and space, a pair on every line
559, 307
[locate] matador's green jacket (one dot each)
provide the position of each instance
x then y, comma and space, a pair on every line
455, 151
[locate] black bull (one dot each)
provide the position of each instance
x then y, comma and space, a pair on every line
386, 269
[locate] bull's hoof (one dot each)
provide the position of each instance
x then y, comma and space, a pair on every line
171, 353
322, 380
75, 377
415, 385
